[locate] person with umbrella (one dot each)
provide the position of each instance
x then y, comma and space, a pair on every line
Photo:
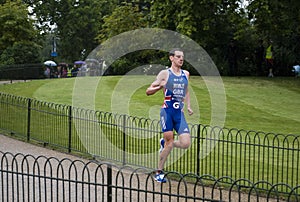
50, 63
79, 67
48, 71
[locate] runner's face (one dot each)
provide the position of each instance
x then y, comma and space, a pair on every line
177, 59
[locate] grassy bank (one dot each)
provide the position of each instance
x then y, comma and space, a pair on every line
252, 103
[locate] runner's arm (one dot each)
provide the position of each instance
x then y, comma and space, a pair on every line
158, 84
187, 96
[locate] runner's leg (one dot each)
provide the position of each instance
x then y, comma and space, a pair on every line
169, 140
183, 142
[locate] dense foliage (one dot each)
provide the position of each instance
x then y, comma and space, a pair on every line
79, 26
18, 38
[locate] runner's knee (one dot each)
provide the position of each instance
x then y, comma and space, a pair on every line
185, 141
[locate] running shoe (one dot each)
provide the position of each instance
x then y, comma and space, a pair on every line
162, 144
160, 177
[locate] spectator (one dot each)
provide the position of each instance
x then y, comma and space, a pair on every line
47, 72
296, 70
69, 74
64, 72
269, 59
59, 71
74, 71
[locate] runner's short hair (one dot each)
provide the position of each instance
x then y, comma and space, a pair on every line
172, 52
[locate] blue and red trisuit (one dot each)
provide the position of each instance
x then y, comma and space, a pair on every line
171, 113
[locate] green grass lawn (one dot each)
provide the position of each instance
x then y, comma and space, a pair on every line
252, 103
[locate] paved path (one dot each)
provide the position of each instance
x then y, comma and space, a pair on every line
32, 165
14, 146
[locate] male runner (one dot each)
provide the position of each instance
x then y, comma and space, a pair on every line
174, 82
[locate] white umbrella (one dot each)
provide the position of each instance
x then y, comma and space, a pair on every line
50, 63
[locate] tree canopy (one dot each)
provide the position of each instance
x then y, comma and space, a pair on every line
80, 26
17, 35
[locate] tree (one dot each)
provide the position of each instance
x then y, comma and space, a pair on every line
22, 52
124, 18
74, 23
278, 20
174, 15
79, 26
17, 35
211, 23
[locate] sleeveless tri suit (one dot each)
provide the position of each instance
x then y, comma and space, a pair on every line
171, 113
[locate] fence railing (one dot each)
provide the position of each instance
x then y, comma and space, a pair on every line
40, 178
22, 72
219, 152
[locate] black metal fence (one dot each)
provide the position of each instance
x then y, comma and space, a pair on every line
40, 178
218, 152
22, 72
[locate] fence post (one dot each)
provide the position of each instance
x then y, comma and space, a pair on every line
28, 118
109, 183
124, 139
70, 129
198, 149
